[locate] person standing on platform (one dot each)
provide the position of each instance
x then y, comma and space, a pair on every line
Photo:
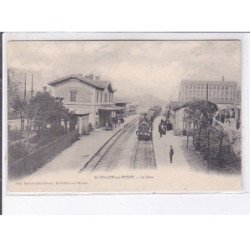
160, 129
171, 153
238, 124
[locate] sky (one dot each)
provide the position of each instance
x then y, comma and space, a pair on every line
133, 67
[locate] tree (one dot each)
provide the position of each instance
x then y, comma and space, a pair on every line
19, 107
46, 110
213, 143
187, 119
13, 88
201, 113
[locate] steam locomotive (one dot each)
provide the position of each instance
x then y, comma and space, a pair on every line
145, 126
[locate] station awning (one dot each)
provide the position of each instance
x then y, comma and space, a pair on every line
111, 108
228, 106
79, 112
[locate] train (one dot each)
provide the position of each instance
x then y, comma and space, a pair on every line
154, 112
145, 126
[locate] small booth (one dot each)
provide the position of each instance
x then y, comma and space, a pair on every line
122, 112
83, 124
108, 114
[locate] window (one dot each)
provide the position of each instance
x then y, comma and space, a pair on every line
106, 97
97, 96
101, 96
73, 95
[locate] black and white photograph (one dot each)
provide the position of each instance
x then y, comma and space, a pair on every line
123, 116
125, 124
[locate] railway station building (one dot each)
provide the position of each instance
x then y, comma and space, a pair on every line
128, 107
177, 116
90, 98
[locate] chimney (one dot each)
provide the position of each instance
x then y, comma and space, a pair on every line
90, 76
223, 78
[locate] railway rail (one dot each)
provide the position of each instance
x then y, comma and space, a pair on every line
144, 156
98, 156
123, 149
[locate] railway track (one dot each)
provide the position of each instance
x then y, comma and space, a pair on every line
123, 149
100, 154
144, 156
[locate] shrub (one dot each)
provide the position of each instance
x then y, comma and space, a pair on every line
49, 135
15, 135
17, 151
217, 149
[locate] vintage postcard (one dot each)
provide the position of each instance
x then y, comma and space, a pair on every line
122, 116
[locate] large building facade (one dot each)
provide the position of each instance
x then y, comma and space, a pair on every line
219, 92
90, 98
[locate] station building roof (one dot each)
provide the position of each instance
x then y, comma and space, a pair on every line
99, 84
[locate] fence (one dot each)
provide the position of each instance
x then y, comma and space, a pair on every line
31, 162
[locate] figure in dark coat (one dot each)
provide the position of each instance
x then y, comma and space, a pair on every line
222, 118
171, 153
160, 129
238, 124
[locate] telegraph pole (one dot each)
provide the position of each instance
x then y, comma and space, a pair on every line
32, 91
25, 86
23, 107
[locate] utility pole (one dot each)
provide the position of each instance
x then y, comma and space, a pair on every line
32, 91
188, 124
23, 107
25, 86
